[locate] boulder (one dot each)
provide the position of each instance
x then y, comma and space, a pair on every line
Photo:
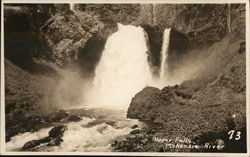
71, 118
57, 132
137, 131
31, 144
154, 34
55, 142
150, 131
145, 101
35, 143
134, 126
74, 118
145, 140
183, 95
58, 116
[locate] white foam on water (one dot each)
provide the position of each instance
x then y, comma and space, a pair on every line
96, 138
17, 142
78, 136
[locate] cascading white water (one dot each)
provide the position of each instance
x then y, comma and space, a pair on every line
164, 54
72, 6
78, 136
123, 69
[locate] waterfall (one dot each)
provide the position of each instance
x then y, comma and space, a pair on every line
164, 54
72, 6
123, 69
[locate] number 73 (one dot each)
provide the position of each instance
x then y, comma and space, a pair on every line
232, 133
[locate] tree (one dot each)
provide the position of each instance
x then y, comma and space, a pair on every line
229, 18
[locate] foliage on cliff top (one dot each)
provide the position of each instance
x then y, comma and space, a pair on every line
202, 22
110, 14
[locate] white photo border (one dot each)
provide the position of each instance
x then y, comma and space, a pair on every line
2, 113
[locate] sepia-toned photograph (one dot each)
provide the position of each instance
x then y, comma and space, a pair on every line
119, 77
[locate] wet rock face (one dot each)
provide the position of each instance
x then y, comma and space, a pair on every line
155, 35
179, 45
178, 42
90, 55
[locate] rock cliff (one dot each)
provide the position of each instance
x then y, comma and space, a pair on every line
68, 32
194, 26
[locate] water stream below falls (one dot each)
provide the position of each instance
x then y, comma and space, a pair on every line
95, 132
122, 72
